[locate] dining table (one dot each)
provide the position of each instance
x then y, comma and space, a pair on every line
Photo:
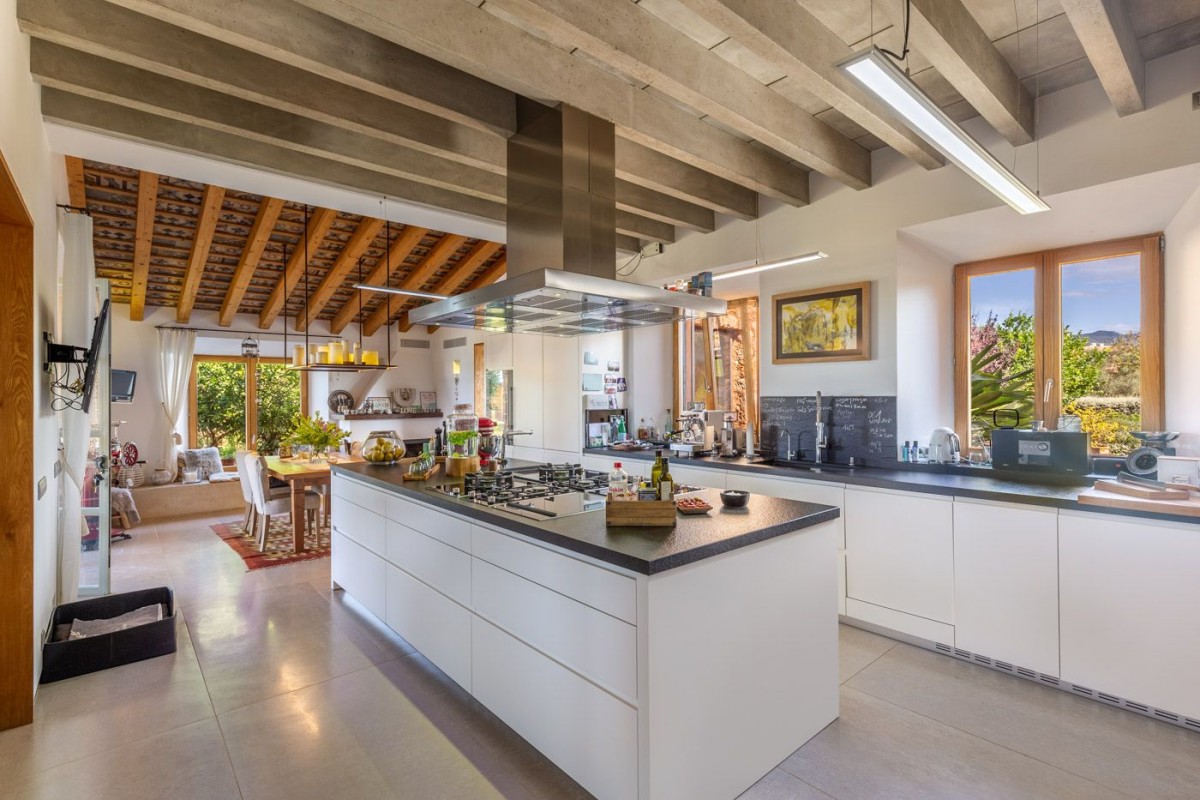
302, 474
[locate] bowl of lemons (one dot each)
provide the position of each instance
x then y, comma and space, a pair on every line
382, 450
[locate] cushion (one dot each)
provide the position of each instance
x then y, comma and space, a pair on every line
205, 460
221, 477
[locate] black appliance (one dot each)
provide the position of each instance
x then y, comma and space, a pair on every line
123, 383
1042, 453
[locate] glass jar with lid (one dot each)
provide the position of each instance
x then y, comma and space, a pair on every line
462, 432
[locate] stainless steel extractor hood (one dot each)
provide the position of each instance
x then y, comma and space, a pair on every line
562, 277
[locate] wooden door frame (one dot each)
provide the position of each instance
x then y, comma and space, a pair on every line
16, 474
251, 392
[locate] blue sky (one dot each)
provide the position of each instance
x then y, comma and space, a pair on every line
1096, 295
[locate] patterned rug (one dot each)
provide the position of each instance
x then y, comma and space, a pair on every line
279, 543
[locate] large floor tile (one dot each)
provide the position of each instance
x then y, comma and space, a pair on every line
857, 649
780, 785
105, 710
1133, 754
188, 762
879, 751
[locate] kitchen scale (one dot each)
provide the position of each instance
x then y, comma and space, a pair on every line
1144, 460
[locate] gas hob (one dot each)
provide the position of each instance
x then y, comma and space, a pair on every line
546, 491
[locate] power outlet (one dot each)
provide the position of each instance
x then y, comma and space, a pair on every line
1195, 101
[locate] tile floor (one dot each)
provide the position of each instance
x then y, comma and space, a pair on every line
282, 689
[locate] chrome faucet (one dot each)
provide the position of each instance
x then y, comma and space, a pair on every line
787, 452
822, 442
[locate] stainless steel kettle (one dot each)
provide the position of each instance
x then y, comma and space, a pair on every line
944, 447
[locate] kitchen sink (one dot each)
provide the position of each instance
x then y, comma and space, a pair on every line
811, 466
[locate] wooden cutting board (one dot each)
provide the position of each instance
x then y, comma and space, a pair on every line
1142, 492
1098, 497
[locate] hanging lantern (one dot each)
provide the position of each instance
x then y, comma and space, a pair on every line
250, 347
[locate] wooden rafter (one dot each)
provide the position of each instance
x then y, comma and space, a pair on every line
473, 260
318, 226
364, 236
147, 195
264, 224
76, 193
206, 226
487, 277
409, 238
438, 255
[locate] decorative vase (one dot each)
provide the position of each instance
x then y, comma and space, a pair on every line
162, 475
319, 453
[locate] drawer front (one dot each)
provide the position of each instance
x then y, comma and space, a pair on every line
454, 531
593, 586
437, 626
588, 733
359, 572
589, 641
360, 524
441, 566
360, 494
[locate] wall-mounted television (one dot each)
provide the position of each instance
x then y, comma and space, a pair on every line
93, 355
123, 381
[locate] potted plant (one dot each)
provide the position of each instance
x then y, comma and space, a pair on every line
318, 434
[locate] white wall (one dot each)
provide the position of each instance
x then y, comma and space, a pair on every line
42, 182
1182, 264
925, 351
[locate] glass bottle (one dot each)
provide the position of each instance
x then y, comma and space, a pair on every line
666, 484
618, 483
656, 470
462, 433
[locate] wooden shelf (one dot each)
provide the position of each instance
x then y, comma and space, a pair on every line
410, 415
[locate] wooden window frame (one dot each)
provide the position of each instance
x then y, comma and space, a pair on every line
1047, 266
251, 393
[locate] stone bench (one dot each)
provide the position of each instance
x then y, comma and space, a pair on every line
184, 499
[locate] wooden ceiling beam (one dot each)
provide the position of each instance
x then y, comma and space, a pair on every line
1108, 38
397, 253
318, 225
437, 256
947, 34
463, 269
789, 35
264, 224
643, 46
487, 277
484, 45
364, 237
76, 187
206, 226
147, 199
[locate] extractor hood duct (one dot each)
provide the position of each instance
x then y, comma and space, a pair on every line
562, 276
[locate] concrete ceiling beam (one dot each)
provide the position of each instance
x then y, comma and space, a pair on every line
1108, 38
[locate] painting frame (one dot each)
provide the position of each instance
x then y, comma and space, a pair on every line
858, 294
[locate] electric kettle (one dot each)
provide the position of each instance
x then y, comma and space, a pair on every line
944, 447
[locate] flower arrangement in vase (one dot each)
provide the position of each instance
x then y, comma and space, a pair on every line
316, 433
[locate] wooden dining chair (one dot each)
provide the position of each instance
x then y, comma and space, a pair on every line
267, 506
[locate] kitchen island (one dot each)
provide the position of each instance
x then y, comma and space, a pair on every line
658, 663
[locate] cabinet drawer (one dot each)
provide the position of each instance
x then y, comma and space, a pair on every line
358, 523
358, 493
607, 591
588, 733
441, 566
454, 531
431, 622
359, 572
589, 641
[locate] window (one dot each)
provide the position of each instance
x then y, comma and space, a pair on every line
1067, 336
235, 402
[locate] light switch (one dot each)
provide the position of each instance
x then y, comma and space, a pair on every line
41, 487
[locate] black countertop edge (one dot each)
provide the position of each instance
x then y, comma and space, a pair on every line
389, 479
966, 484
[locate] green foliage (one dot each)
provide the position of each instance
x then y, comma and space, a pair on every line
1108, 423
1123, 370
221, 405
316, 432
993, 391
278, 393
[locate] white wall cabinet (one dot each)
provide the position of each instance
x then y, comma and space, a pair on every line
900, 553
1129, 593
1006, 582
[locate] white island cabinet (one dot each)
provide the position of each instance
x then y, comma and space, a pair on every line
687, 684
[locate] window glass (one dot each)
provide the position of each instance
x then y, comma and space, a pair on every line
277, 395
221, 405
1101, 349
1003, 350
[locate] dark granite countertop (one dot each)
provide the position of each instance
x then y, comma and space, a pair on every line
964, 481
644, 550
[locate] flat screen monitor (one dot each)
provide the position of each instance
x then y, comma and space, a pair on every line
123, 381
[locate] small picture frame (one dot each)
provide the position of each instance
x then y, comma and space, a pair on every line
593, 382
428, 401
590, 359
829, 324
614, 366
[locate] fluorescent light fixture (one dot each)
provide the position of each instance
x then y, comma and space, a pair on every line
880, 75
366, 287
787, 262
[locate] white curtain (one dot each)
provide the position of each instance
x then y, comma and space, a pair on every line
175, 348
79, 309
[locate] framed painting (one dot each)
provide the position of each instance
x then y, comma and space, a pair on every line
830, 324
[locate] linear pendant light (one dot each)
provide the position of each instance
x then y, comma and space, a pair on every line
786, 262
882, 77
370, 287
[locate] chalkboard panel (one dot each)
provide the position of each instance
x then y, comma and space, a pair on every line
858, 426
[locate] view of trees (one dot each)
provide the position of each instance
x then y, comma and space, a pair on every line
1100, 379
221, 405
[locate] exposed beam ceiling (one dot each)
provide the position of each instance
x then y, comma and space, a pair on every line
945, 33
1107, 35
348, 259
415, 280
319, 221
147, 199
75, 193
409, 238
264, 223
206, 227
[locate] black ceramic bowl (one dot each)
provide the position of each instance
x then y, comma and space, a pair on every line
735, 498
